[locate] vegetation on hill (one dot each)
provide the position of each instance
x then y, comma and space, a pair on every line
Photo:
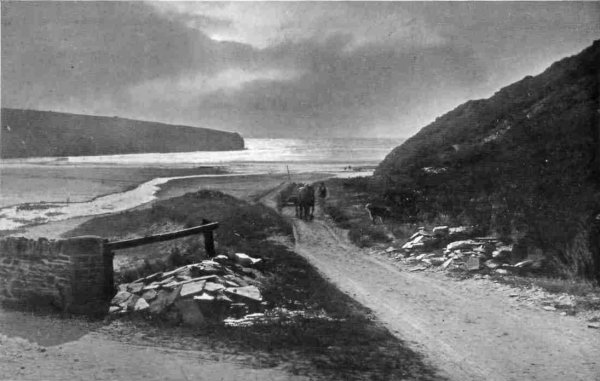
29, 133
523, 164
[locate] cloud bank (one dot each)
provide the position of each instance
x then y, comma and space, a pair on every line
280, 69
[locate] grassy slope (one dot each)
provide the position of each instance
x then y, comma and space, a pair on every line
523, 163
43, 133
351, 347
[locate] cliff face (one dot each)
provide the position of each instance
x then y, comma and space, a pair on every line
29, 133
523, 163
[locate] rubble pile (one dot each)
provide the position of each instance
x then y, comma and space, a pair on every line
211, 290
447, 247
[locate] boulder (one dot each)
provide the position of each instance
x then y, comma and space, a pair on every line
190, 312
192, 288
501, 271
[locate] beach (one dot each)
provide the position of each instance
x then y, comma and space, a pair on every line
44, 197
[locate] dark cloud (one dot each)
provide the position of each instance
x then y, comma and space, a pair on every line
280, 69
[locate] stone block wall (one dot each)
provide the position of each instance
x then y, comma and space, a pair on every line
72, 275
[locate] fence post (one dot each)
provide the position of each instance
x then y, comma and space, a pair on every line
209, 241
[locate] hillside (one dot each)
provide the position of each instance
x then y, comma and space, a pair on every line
523, 164
29, 133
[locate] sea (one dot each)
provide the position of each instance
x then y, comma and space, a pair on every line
337, 157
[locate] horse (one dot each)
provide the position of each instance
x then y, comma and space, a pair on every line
378, 211
306, 202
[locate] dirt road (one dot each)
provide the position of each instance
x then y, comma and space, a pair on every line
464, 328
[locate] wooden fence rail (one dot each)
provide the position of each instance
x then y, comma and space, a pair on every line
206, 229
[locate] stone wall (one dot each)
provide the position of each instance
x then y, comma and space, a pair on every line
72, 275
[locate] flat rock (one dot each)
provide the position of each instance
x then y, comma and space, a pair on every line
121, 297
213, 287
204, 297
163, 299
140, 305
246, 260
465, 244
441, 230
525, 263
135, 287
113, 309
149, 295
447, 263
192, 288
248, 292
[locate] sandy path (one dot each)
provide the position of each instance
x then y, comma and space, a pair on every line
465, 329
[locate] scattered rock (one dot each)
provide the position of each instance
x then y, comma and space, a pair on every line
121, 297
437, 261
141, 305
163, 299
457, 245
473, 263
149, 295
441, 231
525, 263
192, 288
447, 263
204, 297
492, 264
212, 287
248, 292
502, 253
135, 287
246, 260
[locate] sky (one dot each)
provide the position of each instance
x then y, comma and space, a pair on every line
281, 69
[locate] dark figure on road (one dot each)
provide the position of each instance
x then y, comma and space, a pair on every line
306, 202
322, 191
378, 211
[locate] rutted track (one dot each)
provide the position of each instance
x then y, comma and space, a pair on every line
463, 328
